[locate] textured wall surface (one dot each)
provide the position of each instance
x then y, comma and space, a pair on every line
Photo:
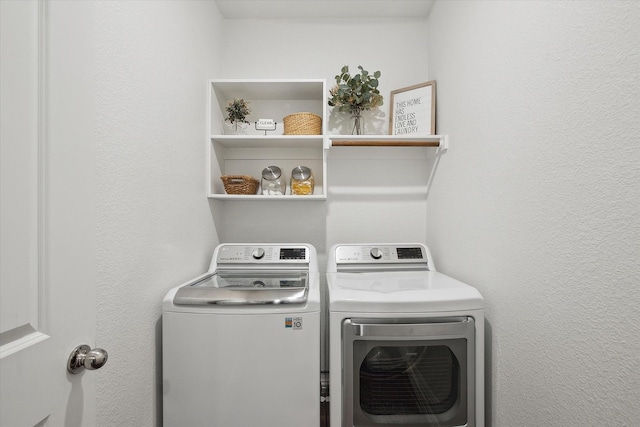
318, 48
155, 228
537, 201
381, 189
369, 188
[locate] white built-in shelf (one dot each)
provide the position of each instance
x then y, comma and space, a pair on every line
440, 141
266, 141
268, 89
251, 152
260, 197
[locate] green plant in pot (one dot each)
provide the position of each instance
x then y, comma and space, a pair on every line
355, 94
237, 112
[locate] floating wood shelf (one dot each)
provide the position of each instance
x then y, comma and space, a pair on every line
374, 143
386, 141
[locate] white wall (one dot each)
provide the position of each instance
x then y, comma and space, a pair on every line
155, 226
533, 203
360, 197
537, 201
381, 189
310, 48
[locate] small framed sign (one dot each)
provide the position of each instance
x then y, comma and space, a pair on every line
413, 110
266, 125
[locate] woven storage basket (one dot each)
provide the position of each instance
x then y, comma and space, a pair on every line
239, 184
303, 124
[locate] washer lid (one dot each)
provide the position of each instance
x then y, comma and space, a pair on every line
247, 287
400, 292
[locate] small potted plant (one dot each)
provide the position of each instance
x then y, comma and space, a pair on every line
237, 112
356, 93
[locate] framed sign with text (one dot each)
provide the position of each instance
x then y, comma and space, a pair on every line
413, 110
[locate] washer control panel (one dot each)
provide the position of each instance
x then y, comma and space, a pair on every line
268, 254
394, 254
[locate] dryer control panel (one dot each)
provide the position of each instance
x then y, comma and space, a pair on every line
386, 254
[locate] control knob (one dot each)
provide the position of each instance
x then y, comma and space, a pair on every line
375, 253
258, 253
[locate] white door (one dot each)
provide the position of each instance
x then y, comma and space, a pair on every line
47, 223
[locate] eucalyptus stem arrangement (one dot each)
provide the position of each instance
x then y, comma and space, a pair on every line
356, 93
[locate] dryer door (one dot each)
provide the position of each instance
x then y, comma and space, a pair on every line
409, 372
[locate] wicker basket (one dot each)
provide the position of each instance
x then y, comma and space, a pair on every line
303, 124
239, 184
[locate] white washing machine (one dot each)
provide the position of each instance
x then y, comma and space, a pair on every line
241, 343
406, 342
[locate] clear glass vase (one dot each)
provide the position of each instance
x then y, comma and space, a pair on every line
236, 128
358, 122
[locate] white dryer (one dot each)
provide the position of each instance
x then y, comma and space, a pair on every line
241, 343
406, 342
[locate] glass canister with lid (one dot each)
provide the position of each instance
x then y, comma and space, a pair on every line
273, 182
302, 182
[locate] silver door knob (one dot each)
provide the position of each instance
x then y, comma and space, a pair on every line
82, 357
